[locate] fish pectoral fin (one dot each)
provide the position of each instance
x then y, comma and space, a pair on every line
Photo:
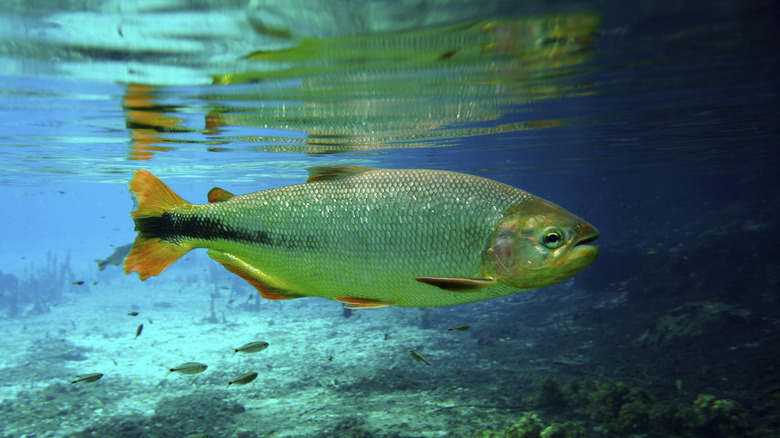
218, 195
268, 288
361, 303
332, 173
457, 284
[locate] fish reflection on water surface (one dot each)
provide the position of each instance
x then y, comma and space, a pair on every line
375, 90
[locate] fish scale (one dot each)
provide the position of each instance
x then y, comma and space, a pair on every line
350, 233
360, 231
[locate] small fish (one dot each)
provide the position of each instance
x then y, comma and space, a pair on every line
418, 357
116, 258
459, 328
139, 330
386, 336
87, 378
189, 368
243, 379
251, 347
78, 283
197, 435
132, 314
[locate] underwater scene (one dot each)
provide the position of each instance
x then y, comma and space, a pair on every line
414, 218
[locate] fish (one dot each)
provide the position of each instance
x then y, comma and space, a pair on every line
189, 368
116, 258
78, 283
243, 379
459, 328
197, 435
418, 357
139, 330
87, 378
368, 237
251, 347
132, 314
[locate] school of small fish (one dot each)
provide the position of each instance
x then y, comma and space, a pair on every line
190, 367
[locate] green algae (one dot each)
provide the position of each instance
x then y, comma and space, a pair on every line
613, 408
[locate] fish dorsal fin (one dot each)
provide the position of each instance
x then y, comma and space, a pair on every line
333, 173
457, 284
218, 195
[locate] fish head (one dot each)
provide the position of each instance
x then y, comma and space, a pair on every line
538, 244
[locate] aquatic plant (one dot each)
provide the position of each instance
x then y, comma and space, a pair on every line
40, 288
718, 417
9, 294
531, 425
615, 409
549, 394
620, 408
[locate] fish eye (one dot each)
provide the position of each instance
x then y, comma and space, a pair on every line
553, 238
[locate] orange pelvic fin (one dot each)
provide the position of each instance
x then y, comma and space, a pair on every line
151, 254
262, 282
361, 303
457, 284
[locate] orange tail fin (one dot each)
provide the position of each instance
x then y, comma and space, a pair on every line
155, 248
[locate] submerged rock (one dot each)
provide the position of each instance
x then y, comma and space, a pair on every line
690, 319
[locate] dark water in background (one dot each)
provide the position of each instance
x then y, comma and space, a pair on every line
657, 122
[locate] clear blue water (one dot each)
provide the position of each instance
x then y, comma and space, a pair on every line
656, 122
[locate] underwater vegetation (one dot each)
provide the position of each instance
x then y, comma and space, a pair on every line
37, 290
612, 408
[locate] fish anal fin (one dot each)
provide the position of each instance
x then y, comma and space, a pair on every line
268, 295
218, 195
151, 256
457, 284
261, 281
333, 173
361, 303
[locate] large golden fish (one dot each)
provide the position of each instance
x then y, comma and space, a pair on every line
368, 237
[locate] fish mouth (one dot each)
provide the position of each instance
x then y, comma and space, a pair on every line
588, 235
583, 251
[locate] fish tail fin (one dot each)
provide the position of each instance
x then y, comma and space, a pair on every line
152, 253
